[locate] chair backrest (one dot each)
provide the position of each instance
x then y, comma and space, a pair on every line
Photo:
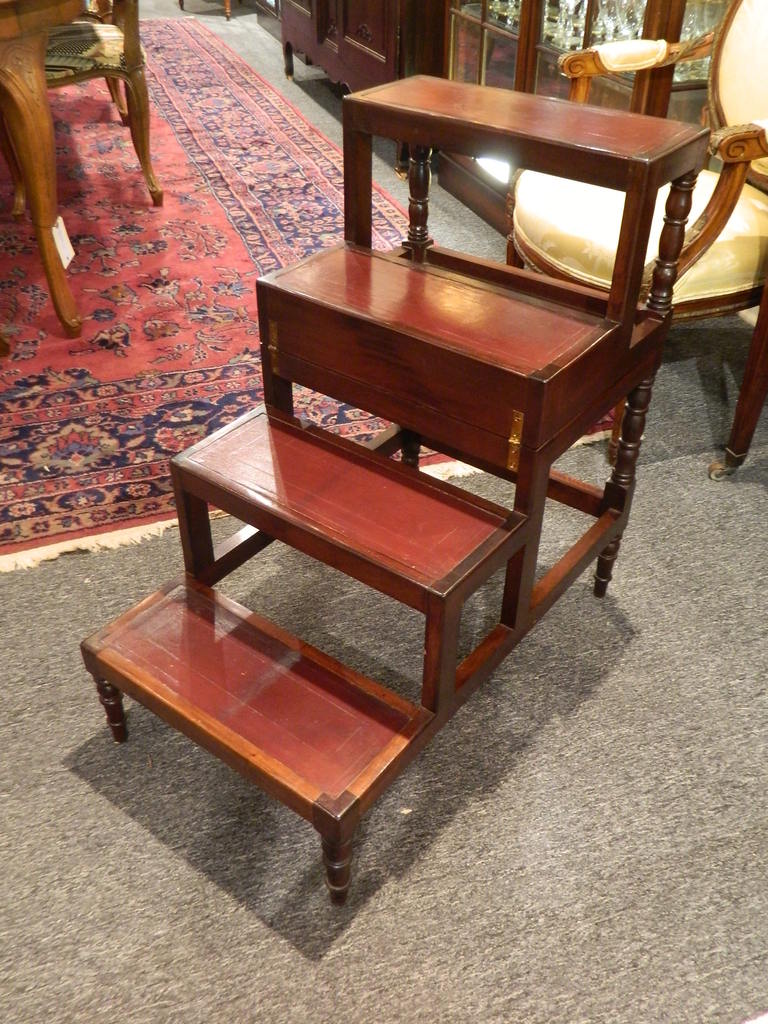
738, 87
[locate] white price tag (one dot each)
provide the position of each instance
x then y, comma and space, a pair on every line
63, 244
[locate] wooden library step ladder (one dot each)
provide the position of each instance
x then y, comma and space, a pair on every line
494, 365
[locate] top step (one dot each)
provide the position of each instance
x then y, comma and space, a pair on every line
556, 136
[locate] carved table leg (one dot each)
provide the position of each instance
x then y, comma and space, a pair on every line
337, 858
623, 476
30, 126
112, 702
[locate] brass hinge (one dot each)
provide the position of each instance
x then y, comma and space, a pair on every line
272, 346
515, 437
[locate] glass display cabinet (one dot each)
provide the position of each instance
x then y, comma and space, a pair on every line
515, 44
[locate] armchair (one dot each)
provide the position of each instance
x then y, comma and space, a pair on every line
107, 45
104, 43
570, 230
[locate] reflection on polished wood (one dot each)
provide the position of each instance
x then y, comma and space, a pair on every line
28, 134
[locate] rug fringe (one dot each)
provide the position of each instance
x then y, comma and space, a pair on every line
449, 470
599, 435
454, 469
98, 542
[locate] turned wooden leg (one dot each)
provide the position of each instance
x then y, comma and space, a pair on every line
112, 702
604, 570
337, 858
288, 60
613, 444
227, 9
419, 180
410, 448
30, 128
137, 100
620, 487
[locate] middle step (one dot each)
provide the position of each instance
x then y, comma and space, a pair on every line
393, 528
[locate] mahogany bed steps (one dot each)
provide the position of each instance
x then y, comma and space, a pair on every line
489, 364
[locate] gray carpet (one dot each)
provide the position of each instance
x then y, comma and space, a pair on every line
587, 841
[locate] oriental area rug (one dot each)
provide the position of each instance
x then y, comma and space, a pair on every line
169, 349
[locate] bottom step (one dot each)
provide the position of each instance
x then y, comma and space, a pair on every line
321, 738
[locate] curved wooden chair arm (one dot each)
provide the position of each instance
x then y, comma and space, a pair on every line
736, 146
740, 143
625, 55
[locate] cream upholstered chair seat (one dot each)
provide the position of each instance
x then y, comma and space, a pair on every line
573, 229
84, 47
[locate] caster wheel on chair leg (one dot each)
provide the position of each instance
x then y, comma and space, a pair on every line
727, 466
719, 470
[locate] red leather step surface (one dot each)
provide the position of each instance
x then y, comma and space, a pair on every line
261, 693
514, 331
353, 499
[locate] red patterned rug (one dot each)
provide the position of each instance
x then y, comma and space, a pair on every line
169, 348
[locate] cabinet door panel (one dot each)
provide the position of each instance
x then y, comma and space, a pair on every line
361, 43
367, 24
328, 22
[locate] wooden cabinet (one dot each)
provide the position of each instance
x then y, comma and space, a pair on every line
516, 44
360, 43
